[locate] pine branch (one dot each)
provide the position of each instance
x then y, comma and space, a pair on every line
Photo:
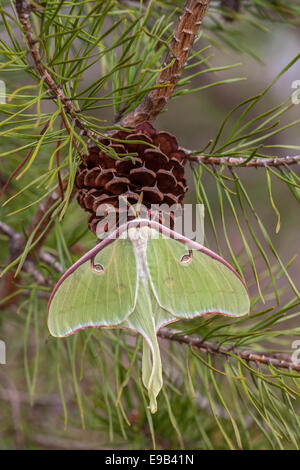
24, 8
155, 101
184, 36
278, 360
254, 162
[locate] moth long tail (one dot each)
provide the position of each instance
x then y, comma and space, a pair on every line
142, 320
152, 373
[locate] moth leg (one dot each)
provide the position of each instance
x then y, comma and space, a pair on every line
187, 258
97, 268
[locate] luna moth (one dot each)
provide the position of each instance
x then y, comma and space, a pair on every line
142, 277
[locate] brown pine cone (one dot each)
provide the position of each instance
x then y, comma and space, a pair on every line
158, 172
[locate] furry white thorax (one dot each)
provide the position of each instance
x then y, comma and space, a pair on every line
139, 238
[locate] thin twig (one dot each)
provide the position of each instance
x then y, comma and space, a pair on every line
31, 269
280, 361
51, 261
254, 163
184, 36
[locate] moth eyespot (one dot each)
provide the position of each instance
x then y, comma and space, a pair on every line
97, 268
187, 258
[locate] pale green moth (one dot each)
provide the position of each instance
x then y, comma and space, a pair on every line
142, 277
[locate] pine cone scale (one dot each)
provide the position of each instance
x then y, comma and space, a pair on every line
157, 173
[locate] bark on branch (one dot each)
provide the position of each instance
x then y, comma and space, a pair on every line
278, 360
184, 36
254, 163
